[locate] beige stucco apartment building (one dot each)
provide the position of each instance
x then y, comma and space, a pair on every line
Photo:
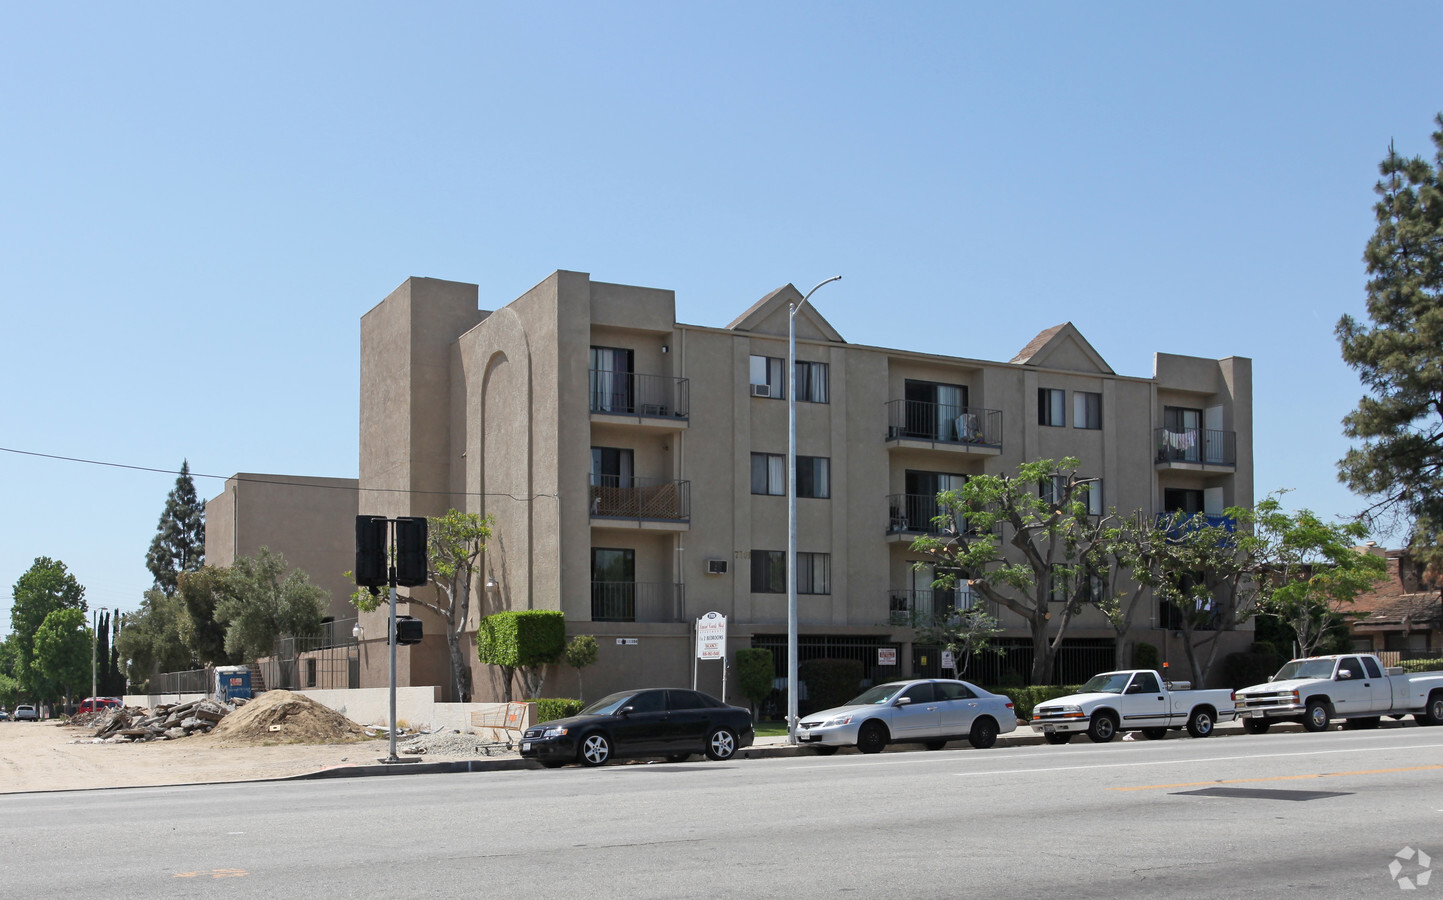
635, 468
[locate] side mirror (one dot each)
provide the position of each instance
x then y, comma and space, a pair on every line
1133, 689
626, 710
1344, 675
903, 701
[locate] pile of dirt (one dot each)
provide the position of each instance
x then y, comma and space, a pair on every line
281, 717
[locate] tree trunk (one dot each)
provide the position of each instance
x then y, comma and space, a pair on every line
1041, 650
460, 672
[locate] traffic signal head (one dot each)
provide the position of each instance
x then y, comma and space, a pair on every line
411, 563
371, 551
408, 630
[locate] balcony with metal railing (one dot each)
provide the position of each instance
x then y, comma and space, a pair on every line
653, 401
915, 424
912, 514
648, 503
1195, 448
1178, 523
631, 601
906, 607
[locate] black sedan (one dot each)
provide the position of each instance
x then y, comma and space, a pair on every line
669, 722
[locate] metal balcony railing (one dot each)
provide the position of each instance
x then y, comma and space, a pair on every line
913, 513
918, 420
1178, 523
908, 606
629, 394
631, 601
1204, 446
629, 497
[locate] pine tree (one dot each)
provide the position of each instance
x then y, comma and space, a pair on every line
1399, 357
179, 544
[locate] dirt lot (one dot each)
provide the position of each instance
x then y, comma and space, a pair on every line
40, 757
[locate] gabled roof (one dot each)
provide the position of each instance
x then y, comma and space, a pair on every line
769, 316
1062, 347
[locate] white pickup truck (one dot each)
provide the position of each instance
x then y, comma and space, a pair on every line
1355, 687
1131, 700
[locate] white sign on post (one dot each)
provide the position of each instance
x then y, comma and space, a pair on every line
949, 661
711, 636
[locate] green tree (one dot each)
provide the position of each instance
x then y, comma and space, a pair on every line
150, 640
1136, 547
1399, 357
260, 602
756, 674
9, 685
454, 543
1320, 572
581, 651
44, 588
62, 655
963, 633
522, 642
1054, 547
199, 592
179, 542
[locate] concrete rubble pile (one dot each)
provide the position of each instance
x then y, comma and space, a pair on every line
163, 723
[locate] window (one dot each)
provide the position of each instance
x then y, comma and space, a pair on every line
611, 380
768, 376
1352, 667
613, 585
814, 476
611, 467
1051, 407
769, 473
769, 572
811, 382
1185, 500
1144, 683
1372, 667
1052, 489
1091, 494
938, 412
1086, 409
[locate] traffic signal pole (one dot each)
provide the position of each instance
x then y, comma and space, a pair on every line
375, 567
391, 631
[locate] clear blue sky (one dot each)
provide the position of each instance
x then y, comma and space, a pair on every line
198, 202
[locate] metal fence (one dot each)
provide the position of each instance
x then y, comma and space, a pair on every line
626, 393
191, 681
632, 601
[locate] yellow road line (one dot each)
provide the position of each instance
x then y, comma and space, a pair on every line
1159, 787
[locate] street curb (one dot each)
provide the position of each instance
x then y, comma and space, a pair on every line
419, 768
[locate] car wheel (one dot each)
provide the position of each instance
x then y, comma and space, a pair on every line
934, 745
984, 733
678, 757
1200, 723
1317, 716
1256, 726
1433, 712
1154, 734
595, 749
1102, 728
872, 737
721, 745
1054, 737
553, 763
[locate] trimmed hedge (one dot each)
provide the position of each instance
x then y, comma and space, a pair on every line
831, 682
523, 637
1412, 666
548, 708
1145, 656
1024, 698
755, 674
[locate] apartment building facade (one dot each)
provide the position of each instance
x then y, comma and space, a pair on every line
635, 466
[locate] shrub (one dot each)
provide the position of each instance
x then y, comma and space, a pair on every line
1412, 666
756, 674
1024, 698
522, 641
548, 708
1145, 656
831, 682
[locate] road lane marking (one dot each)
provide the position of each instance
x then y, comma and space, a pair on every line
213, 873
1187, 784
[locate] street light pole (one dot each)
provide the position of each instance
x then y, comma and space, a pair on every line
791, 478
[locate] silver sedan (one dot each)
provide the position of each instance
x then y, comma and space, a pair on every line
928, 711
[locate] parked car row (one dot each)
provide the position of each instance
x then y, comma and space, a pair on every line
678, 724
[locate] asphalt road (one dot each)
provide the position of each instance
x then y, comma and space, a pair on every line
1321, 815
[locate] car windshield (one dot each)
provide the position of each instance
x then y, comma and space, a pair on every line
882, 693
1305, 668
608, 704
1106, 683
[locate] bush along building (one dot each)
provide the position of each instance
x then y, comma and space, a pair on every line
635, 469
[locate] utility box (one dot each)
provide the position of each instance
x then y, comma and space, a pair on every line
232, 682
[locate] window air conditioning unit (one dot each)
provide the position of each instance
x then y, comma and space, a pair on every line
716, 567
761, 390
